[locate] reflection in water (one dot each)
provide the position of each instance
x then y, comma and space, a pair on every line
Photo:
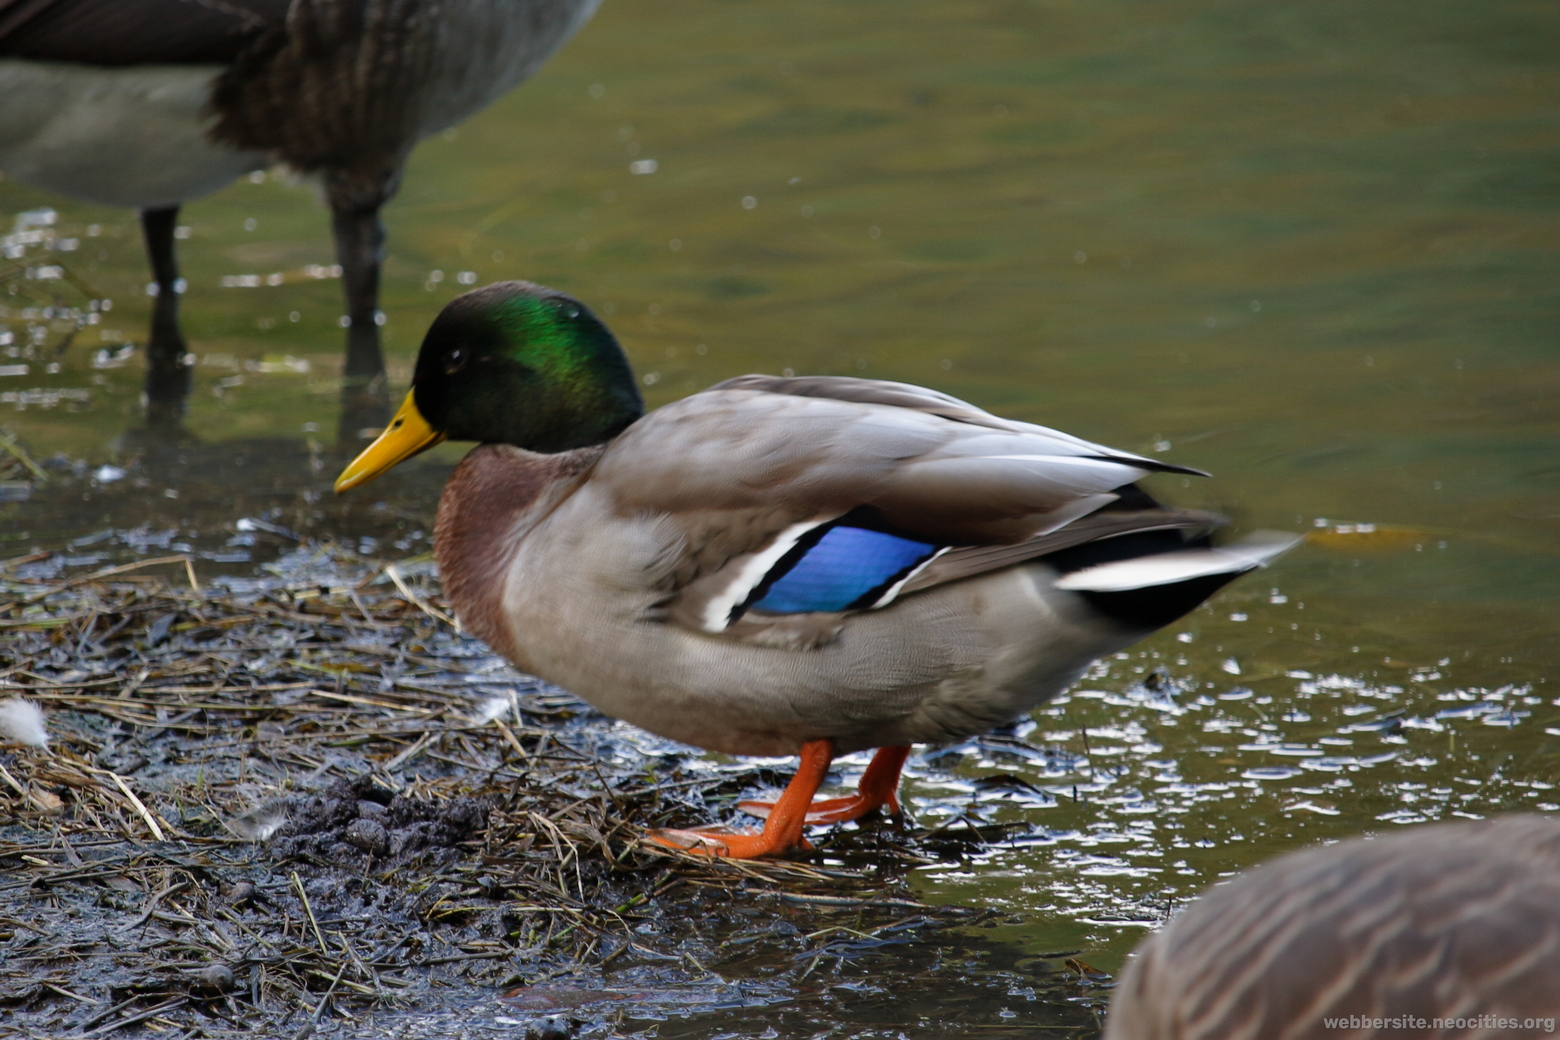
234, 505
167, 371
787, 972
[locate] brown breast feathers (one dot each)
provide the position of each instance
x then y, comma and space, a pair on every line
495, 496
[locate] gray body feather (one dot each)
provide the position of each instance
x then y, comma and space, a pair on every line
609, 570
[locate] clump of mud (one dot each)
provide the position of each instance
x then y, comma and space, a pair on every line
361, 822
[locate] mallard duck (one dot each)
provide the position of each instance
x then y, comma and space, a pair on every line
774, 566
1457, 921
150, 103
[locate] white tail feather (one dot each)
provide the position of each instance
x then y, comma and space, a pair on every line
1169, 568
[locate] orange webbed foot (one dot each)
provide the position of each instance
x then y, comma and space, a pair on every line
879, 787
782, 830
824, 810
723, 841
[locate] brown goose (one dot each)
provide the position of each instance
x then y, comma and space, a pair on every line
149, 103
1455, 921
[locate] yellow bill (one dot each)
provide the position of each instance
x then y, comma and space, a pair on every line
407, 434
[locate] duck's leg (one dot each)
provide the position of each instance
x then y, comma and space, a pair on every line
879, 787
356, 198
167, 370
782, 830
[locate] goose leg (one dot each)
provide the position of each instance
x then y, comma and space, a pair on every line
782, 830
167, 372
355, 203
879, 787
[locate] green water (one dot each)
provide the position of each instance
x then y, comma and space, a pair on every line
1313, 249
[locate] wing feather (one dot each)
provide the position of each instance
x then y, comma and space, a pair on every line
738, 473
968, 561
135, 32
933, 402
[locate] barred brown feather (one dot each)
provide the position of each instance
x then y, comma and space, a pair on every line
1453, 921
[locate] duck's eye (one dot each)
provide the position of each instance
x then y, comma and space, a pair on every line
455, 361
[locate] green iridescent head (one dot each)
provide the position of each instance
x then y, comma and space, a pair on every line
518, 363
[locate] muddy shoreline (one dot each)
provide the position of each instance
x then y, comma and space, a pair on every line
302, 803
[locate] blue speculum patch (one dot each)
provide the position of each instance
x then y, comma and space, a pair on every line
849, 567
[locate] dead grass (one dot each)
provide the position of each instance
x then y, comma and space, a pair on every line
271, 800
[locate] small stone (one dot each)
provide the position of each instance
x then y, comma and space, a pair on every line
368, 835
48, 803
214, 978
341, 852
555, 1028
